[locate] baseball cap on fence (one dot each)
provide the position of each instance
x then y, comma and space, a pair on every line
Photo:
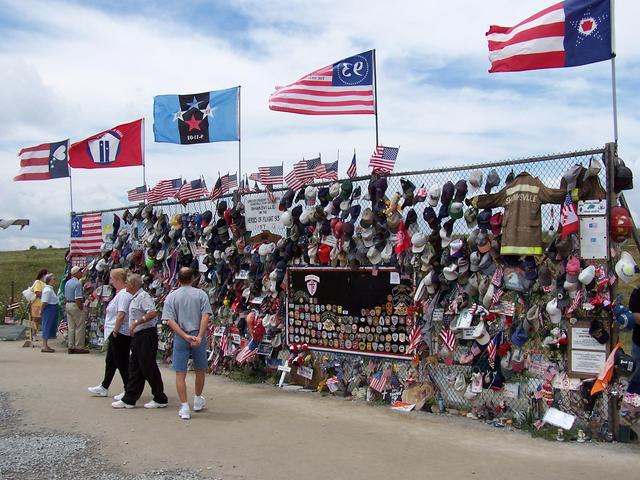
484, 219
474, 260
626, 268
310, 193
443, 212
434, 195
408, 189
367, 218
496, 223
418, 241
354, 212
346, 187
483, 242
445, 232
475, 180
471, 217
300, 195
487, 264
461, 190
510, 177
411, 218
430, 217
448, 190
323, 196
456, 248
393, 222
570, 177
594, 168
455, 210
493, 180
347, 231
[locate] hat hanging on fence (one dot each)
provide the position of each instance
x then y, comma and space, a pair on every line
594, 168
461, 191
430, 217
626, 268
570, 177
434, 195
510, 177
493, 180
448, 190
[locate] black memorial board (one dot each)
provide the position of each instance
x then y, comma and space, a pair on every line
349, 310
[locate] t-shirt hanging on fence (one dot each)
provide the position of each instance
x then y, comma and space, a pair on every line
349, 311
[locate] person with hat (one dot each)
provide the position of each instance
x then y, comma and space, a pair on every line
74, 308
187, 311
35, 307
144, 348
116, 335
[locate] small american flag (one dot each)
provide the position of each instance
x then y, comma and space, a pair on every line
270, 196
255, 176
229, 182
138, 194
217, 191
492, 348
192, 191
221, 353
293, 181
383, 159
448, 338
379, 380
575, 303
247, 353
475, 308
269, 175
63, 327
164, 189
328, 171
86, 234
415, 338
305, 169
332, 383
352, 171
497, 295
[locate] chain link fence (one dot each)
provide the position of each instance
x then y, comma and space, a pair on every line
525, 395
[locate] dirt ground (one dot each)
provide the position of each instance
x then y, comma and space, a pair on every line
260, 432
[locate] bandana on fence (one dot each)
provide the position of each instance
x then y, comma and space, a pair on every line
448, 338
415, 338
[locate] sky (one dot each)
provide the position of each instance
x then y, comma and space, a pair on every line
70, 69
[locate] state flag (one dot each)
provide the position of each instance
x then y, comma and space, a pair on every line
197, 117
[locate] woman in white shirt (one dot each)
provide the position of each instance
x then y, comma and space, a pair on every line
116, 334
49, 313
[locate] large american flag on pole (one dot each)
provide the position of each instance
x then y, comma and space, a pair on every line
343, 88
86, 234
269, 175
383, 159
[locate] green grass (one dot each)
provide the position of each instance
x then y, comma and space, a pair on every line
21, 269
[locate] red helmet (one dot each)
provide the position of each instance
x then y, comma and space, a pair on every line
621, 224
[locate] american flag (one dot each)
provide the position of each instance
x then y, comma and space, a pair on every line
44, 162
448, 338
217, 191
327, 171
221, 353
575, 303
247, 353
192, 190
492, 348
293, 181
138, 194
254, 177
270, 196
63, 327
269, 175
164, 189
86, 234
476, 308
306, 169
379, 380
345, 87
229, 182
497, 295
415, 338
352, 171
332, 383
383, 159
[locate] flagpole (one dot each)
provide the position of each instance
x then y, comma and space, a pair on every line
375, 93
613, 75
239, 140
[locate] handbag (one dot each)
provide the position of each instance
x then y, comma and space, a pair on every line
29, 294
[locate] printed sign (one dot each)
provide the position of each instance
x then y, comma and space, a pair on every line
261, 214
349, 311
586, 356
305, 372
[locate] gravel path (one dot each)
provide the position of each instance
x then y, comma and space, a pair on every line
53, 455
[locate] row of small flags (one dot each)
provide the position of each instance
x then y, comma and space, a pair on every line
304, 173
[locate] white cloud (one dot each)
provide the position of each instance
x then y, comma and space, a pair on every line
80, 70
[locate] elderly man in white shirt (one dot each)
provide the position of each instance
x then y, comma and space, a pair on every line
144, 349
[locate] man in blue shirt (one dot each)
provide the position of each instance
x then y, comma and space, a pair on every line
74, 307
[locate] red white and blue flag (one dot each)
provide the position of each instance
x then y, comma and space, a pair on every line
192, 191
138, 194
383, 159
327, 171
247, 353
567, 34
86, 234
343, 88
352, 171
269, 175
44, 162
379, 380
217, 190
164, 189
229, 182
568, 217
448, 338
415, 339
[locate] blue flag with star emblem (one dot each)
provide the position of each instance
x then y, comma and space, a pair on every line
197, 117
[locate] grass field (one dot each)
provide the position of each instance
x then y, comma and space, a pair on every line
21, 269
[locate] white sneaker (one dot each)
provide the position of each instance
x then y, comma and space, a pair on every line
154, 404
118, 397
98, 391
121, 404
198, 403
184, 413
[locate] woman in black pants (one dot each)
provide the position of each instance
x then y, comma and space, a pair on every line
116, 333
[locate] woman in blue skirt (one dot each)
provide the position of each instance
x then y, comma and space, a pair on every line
49, 312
